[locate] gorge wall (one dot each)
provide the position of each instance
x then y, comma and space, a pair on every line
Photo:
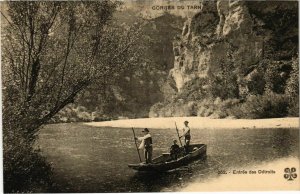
229, 50
209, 36
229, 59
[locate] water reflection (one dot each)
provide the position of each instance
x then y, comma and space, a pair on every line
90, 159
283, 142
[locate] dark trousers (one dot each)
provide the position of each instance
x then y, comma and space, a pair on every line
148, 154
187, 140
174, 156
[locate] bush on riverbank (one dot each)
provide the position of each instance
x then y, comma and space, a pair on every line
24, 168
74, 113
269, 105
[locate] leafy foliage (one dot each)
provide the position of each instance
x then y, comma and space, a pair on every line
58, 54
25, 170
276, 76
292, 89
224, 83
269, 105
51, 51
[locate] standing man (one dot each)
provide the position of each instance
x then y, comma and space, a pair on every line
146, 144
187, 136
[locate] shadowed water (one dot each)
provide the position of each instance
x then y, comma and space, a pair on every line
93, 159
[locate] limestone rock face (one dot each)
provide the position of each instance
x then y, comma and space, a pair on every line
208, 36
228, 52
230, 32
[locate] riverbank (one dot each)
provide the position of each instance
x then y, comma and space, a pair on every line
201, 123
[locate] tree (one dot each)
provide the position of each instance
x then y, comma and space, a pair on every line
51, 51
292, 88
224, 83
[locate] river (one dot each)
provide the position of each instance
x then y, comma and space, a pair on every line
94, 159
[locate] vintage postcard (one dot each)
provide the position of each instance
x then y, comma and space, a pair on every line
150, 96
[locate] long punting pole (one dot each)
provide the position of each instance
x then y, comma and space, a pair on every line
137, 149
178, 134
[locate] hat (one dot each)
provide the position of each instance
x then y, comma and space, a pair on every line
146, 130
186, 122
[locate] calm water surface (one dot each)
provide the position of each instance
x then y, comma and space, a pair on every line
93, 159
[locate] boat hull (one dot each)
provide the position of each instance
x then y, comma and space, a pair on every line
164, 162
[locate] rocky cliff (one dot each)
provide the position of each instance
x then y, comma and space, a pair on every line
229, 57
242, 28
230, 46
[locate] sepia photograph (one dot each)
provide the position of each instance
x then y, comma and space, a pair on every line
121, 96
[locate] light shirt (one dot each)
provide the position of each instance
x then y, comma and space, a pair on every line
186, 130
142, 145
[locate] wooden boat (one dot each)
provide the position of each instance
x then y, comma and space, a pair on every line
165, 163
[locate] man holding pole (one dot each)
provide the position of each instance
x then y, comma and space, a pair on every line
187, 136
146, 144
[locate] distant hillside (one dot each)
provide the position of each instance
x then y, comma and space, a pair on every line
137, 89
